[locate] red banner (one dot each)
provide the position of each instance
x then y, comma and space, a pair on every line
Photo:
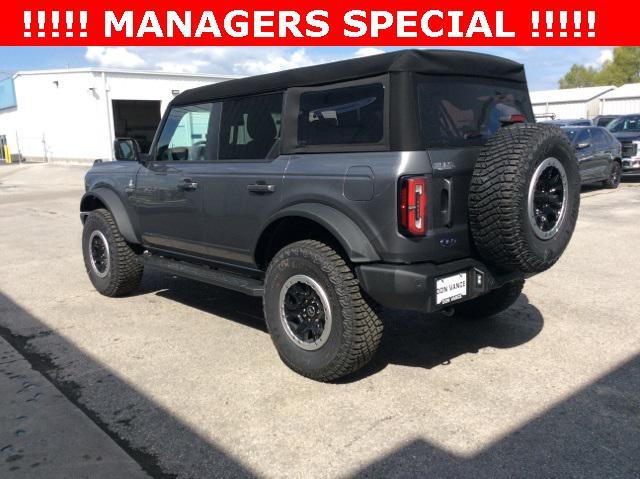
409, 23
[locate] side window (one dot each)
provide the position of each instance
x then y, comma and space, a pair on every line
250, 127
598, 136
351, 115
185, 134
583, 137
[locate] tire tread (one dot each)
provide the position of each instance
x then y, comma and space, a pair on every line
363, 329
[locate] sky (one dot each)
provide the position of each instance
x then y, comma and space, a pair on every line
544, 65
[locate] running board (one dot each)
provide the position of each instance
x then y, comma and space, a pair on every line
216, 277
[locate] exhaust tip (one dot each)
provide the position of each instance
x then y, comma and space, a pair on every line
448, 312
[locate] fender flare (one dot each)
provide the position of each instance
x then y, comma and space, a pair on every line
116, 207
344, 229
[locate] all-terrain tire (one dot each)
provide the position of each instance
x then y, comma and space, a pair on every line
355, 330
123, 272
614, 176
491, 303
499, 197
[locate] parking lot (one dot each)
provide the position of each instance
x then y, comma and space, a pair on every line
181, 379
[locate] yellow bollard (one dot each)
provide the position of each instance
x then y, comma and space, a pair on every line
7, 154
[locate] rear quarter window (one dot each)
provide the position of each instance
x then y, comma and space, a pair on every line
352, 115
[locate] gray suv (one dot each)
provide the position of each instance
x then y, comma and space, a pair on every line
411, 180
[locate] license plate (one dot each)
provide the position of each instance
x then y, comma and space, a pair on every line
451, 288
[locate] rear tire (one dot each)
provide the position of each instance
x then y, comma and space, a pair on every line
111, 263
614, 176
491, 303
319, 321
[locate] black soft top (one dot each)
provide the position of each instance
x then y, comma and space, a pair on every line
434, 62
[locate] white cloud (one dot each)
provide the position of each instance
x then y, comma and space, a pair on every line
273, 62
367, 51
118, 57
193, 66
221, 60
606, 55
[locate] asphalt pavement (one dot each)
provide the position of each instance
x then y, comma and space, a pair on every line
181, 379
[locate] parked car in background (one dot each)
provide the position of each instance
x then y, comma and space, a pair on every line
604, 120
627, 130
561, 123
599, 154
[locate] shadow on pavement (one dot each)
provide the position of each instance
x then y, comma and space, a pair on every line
427, 341
409, 339
593, 434
135, 422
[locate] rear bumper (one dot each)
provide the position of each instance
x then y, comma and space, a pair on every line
413, 287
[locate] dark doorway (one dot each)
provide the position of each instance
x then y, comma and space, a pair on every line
136, 119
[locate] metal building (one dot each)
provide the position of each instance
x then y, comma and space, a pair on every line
571, 103
75, 114
621, 101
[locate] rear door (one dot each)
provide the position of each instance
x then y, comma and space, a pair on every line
242, 188
586, 153
604, 156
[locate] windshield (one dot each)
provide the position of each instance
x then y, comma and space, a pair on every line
458, 111
626, 123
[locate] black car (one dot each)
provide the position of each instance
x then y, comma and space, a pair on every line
599, 154
627, 130
404, 180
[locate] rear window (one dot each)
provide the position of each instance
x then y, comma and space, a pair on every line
340, 116
599, 136
457, 111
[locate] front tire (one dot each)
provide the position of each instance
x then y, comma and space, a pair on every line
110, 261
491, 303
319, 321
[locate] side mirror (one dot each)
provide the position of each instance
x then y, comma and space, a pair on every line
582, 146
126, 149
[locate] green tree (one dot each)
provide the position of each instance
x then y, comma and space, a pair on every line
579, 76
624, 68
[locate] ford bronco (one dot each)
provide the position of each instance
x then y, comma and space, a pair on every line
413, 180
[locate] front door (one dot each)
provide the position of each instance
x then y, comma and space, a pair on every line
168, 196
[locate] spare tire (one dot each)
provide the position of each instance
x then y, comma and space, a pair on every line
524, 198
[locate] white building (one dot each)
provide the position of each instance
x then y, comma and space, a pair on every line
621, 101
75, 114
571, 103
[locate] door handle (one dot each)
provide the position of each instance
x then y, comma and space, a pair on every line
261, 188
187, 184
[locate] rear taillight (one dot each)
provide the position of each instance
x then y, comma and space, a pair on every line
413, 206
511, 119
